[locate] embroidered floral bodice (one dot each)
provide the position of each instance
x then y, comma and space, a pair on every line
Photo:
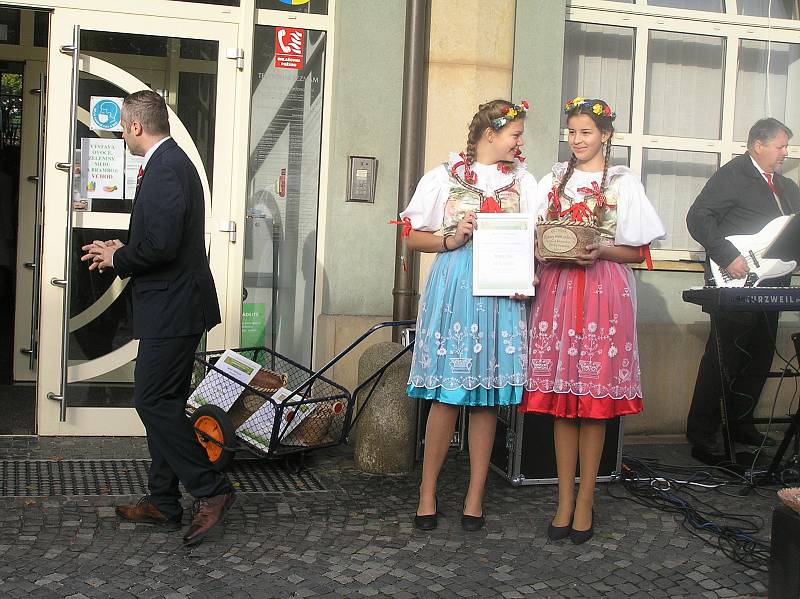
464, 198
584, 187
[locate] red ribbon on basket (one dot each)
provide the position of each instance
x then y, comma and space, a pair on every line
577, 212
406, 222
644, 252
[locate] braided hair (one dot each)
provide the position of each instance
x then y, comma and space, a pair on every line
605, 123
481, 121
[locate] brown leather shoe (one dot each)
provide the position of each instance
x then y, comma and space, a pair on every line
207, 512
145, 511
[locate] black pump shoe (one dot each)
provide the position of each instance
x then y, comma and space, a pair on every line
556, 533
581, 536
428, 521
472, 523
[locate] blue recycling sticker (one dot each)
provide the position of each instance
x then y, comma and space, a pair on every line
106, 115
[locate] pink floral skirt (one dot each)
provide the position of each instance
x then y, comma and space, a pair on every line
583, 352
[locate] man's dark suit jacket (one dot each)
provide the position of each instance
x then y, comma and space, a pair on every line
737, 200
173, 290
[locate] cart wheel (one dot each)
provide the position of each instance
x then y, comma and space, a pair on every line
210, 421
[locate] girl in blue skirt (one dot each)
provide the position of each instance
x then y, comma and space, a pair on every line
469, 351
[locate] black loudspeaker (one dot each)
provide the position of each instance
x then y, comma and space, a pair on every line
524, 453
784, 561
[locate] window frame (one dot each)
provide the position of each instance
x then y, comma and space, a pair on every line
732, 27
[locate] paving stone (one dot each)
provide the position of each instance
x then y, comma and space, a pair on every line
356, 539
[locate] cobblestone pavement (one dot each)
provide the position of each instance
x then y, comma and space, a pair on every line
356, 539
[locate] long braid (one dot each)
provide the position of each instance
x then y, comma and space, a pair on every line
573, 160
606, 162
472, 143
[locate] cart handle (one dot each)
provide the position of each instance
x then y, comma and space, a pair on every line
349, 348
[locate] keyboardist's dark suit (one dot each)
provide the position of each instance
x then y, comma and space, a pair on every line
736, 200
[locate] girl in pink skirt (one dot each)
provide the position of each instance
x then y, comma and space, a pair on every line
583, 354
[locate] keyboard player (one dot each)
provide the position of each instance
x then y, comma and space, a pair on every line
740, 198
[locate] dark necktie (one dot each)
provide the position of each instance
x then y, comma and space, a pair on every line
141, 172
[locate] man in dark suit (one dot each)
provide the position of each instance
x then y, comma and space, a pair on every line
740, 198
174, 303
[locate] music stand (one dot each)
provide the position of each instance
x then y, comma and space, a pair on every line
786, 246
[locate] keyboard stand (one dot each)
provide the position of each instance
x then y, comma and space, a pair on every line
732, 458
794, 427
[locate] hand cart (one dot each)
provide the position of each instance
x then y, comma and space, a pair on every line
286, 411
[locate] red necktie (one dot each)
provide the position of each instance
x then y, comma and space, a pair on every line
771, 184
141, 173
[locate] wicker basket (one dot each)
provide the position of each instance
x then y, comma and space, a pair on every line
564, 240
790, 497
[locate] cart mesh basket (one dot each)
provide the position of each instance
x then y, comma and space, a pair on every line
308, 411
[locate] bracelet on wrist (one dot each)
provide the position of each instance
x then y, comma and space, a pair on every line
444, 242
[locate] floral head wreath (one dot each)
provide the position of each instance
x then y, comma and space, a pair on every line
509, 114
598, 107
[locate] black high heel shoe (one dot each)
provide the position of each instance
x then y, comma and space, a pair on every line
581, 536
556, 533
471, 523
428, 521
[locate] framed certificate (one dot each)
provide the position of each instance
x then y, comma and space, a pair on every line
502, 254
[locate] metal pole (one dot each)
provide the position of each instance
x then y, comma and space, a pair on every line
411, 139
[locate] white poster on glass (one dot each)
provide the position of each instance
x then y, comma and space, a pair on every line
103, 162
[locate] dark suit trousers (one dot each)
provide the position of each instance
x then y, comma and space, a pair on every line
748, 344
161, 386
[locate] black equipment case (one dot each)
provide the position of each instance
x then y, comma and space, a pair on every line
524, 453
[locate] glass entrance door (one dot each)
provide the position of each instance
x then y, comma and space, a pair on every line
86, 348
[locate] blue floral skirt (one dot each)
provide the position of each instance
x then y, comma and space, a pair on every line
469, 350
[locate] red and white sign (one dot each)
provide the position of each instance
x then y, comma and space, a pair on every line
289, 43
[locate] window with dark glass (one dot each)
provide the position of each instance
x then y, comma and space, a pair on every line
41, 28
9, 26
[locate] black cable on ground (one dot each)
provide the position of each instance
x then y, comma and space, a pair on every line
677, 489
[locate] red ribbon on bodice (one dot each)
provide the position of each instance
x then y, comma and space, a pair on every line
490, 205
595, 192
554, 203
